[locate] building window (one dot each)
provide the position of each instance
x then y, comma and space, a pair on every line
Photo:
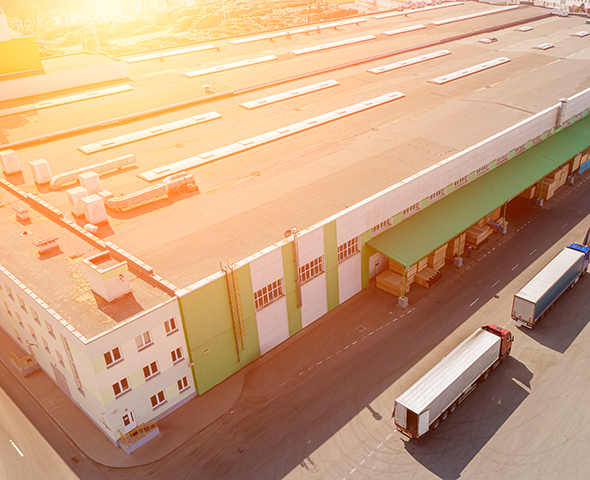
176, 355
22, 304
49, 328
482, 170
348, 249
60, 359
411, 209
121, 387
9, 292
158, 399
150, 370
113, 357
268, 294
36, 316
45, 344
143, 341
182, 384
504, 157
170, 326
461, 181
436, 195
311, 269
32, 331
8, 309
381, 226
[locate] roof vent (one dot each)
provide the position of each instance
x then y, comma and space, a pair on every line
561, 112
108, 277
47, 244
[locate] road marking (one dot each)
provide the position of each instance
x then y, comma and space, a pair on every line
372, 452
411, 310
532, 252
380, 445
474, 302
17, 449
346, 347
354, 343
565, 225
319, 363
371, 333
362, 461
379, 328
329, 357
388, 436
387, 324
495, 284
301, 374
514, 267
352, 471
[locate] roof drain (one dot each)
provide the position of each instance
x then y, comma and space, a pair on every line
561, 112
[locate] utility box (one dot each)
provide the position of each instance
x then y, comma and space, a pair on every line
91, 182
94, 209
41, 171
9, 161
75, 195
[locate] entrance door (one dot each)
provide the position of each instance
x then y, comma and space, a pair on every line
129, 422
377, 264
61, 380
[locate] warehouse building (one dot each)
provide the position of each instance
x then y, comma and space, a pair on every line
238, 208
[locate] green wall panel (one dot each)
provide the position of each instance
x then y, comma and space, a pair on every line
19, 55
331, 257
209, 330
366, 252
294, 313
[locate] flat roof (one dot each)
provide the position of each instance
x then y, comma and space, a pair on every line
58, 276
249, 199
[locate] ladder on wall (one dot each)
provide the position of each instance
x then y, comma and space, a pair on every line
235, 302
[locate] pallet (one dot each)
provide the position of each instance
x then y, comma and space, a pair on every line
428, 277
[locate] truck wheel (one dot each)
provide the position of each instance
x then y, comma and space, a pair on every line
444, 416
485, 375
435, 425
453, 407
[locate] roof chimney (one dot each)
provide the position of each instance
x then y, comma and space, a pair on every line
107, 276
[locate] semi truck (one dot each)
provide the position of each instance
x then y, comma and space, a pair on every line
437, 394
539, 295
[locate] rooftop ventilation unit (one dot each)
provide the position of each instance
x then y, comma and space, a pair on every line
47, 245
561, 112
9, 161
108, 277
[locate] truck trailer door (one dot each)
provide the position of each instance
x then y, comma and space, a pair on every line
423, 422
401, 415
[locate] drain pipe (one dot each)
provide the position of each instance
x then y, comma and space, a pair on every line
288, 233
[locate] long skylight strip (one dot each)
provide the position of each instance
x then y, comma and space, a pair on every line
322, 26
469, 71
415, 10
230, 66
474, 15
409, 61
217, 154
290, 94
171, 53
404, 30
64, 100
326, 46
147, 133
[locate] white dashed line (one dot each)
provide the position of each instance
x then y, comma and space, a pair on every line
17, 449
495, 284
319, 363
513, 268
328, 358
380, 445
372, 452
355, 342
362, 461
532, 252
389, 436
352, 471
565, 225
346, 347
474, 302
371, 333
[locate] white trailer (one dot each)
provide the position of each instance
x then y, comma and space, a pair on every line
432, 398
542, 291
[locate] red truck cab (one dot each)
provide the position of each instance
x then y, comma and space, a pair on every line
505, 335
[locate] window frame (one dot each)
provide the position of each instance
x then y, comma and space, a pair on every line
268, 294
183, 384
462, 181
311, 270
168, 326
381, 226
141, 338
120, 385
415, 207
348, 249
175, 352
45, 345
114, 361
159, 401
22, 304
152, 373
49, 328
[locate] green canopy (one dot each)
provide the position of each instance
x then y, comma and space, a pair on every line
425, 231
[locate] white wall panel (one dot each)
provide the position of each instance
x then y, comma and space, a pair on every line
315, 300
311, 245
272, 324
266, 269
349, 277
